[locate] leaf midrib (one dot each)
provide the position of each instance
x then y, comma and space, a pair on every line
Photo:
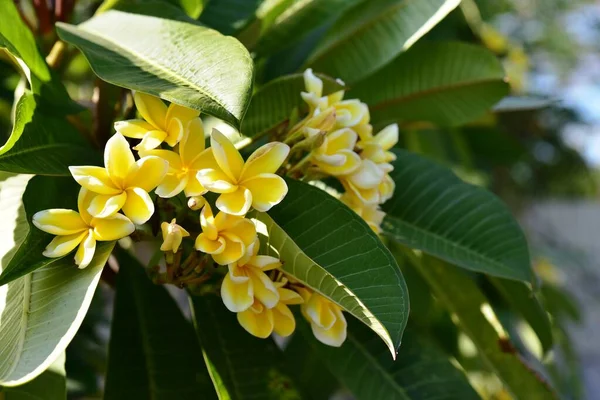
432, 91
468, 250
167, 71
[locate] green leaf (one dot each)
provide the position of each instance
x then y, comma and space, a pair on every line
434, 211
298, 20
241, 365
525, 302
153, 353
18, 40
447, 83
43, 143
461, 296
39, 312
363, 365
50, 385
180, 62
274, 102
372, 33
329, 248
522, 103
229, 16
309, 371
57, 193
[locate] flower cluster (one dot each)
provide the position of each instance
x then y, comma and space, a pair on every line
173, 162
349, 150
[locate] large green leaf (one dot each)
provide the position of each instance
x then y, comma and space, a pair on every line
447, 83
525, 302
192, 8
241, 365
298, 20
153, 352
42, 193
434, 211
229, 16
20, 42
43, 143
274, 102
184, 63
372, 33
325, 245
461, 296
50, 385
39, 312
422, 371
522, 103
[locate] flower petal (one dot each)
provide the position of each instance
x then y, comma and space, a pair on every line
209, 246
59, 221
228, 157
204, 160
192, 143
171, 186
62, 245
235, 203
151, 108
341, 139
86, 250
106, 205
95, 179
320, 311
182, 113
149, 172
84, 199
133, 128
193, 188
207, 223
233, 251
388, 136
367, 176
351, 162
257, 320
287, 296
264, 289
283, 320
216, 181
175, 132
266, 159
351, 113
151, 140
118, 158
265, 263
267, 190
139, 206
335, 335
113, 228
236, 296
312, 83
174, 160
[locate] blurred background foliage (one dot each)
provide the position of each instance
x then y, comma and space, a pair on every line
551, 52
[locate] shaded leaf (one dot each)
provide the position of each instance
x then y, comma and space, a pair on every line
298, 20
434, 211
43, 143
41, 311
179, 62
422, 371
241, 365
522, 103
274, 102
372, 33
152, 353
525, 302
447, 83
18, 40
49, 385
229, 16
461, 296
325, 245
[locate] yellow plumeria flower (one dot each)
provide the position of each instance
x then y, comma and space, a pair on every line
246, 280
386, 188
349, 113
261, 321
371, 213
185, 164
365, 181
225, 237
376, 148
244, 185
74, 229
123, 183
160, 124
326, 318
336, 155
173, 235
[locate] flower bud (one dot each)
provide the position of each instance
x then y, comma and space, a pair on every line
196, 202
